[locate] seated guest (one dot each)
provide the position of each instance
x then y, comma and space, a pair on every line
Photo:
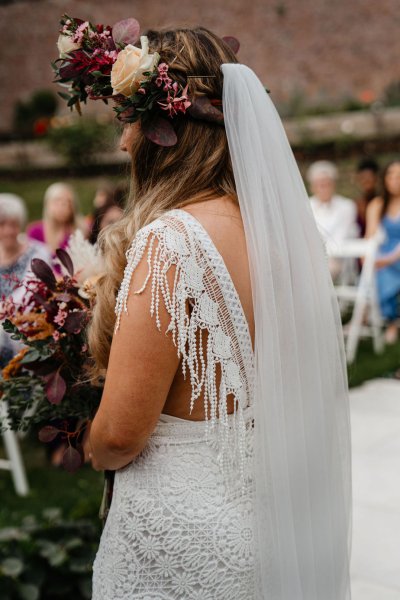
60, 217
383, 213
16, 253
104, 194
335, 215
106, 215
367, 179
109, 211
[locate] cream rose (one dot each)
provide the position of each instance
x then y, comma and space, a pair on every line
65, 45
128, 69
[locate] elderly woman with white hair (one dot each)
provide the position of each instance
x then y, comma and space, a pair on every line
60, 217
336, 216
16, 254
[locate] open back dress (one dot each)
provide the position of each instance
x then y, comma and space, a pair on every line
180, 526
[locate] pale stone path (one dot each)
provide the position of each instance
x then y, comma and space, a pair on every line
375, 421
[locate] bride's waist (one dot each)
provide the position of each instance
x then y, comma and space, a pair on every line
176, 428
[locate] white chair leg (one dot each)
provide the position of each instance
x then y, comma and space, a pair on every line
354, 332
16, 465
376, 326
14, 461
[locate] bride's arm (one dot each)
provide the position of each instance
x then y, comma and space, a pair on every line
142, 366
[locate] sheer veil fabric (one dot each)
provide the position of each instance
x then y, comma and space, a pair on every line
301, 413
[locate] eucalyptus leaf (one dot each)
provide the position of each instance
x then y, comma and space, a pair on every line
160, 131
232, 42
64, 96
126, 31
72, 459
43, 272
48, 433
55, 387
31, 356
65, 260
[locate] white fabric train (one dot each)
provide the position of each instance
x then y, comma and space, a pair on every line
301, 412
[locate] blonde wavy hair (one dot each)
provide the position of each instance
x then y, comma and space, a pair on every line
197, 168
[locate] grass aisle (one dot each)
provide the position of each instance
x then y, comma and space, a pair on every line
369, 365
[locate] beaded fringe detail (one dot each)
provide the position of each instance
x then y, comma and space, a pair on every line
182, 275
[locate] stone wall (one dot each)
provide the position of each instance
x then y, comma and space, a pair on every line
319, 49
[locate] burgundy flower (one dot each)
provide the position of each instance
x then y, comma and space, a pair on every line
80, 64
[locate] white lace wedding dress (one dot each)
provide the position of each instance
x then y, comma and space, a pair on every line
180, 525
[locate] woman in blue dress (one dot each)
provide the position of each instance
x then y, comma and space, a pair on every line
384, 213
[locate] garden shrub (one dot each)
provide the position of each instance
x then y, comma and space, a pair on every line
50, 559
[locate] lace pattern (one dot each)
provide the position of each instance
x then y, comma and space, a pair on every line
177, 529
201, 281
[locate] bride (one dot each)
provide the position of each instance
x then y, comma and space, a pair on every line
224, 411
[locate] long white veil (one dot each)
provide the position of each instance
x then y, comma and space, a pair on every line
301, 414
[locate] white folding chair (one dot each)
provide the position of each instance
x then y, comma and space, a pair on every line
366, 317
13, 462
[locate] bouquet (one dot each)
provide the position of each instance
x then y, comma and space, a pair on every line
46, 384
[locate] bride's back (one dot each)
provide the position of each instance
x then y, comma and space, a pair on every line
221, 219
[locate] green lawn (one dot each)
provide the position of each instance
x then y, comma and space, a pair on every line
32, 191
369, 365
78, 495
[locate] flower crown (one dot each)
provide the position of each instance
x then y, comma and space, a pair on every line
101, 63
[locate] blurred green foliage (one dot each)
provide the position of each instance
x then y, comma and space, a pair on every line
79, 142
392, 94
47, 558
46, 553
